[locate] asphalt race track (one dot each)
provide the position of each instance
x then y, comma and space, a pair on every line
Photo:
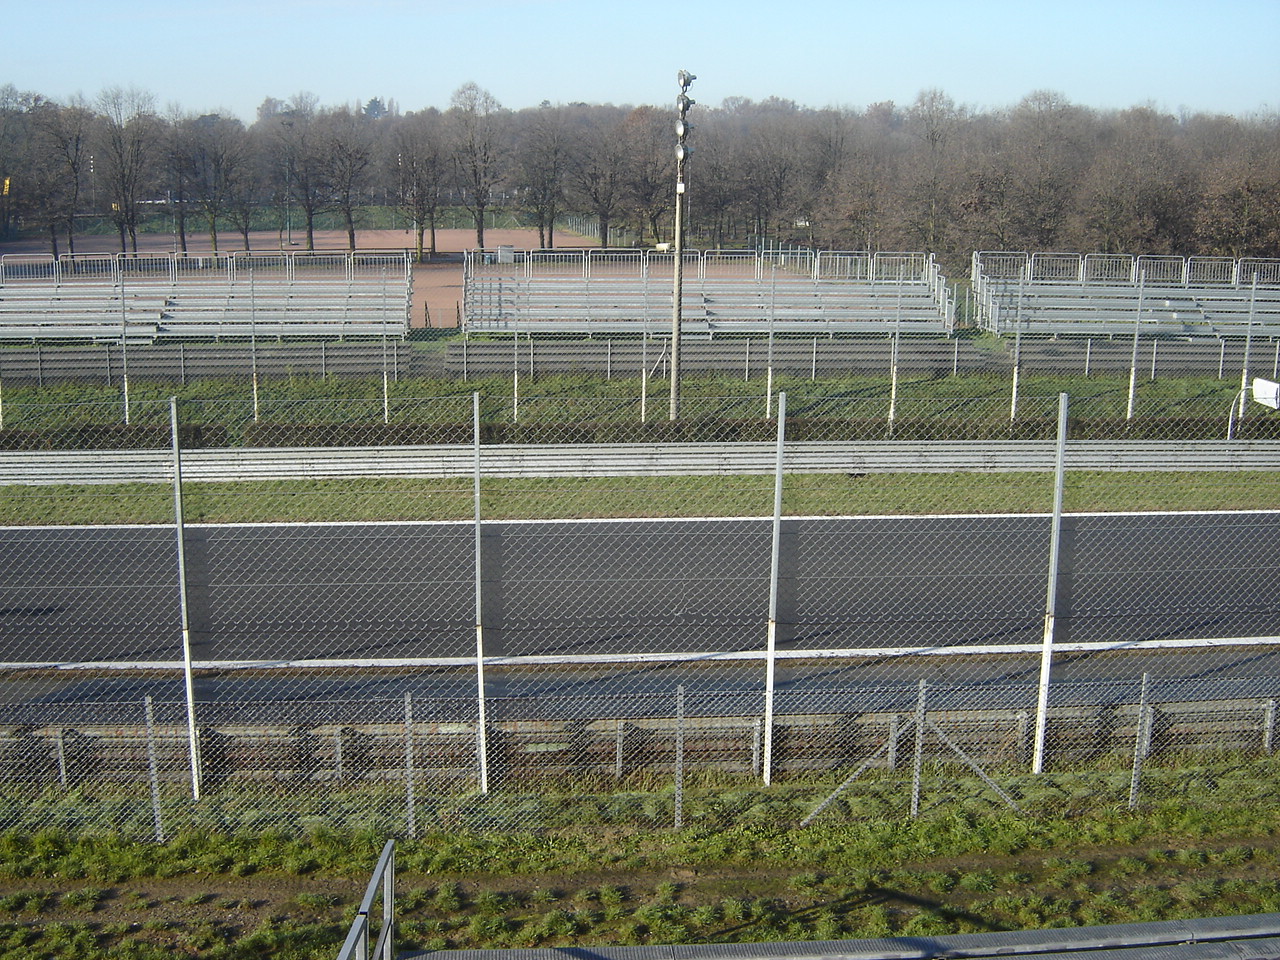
634, 588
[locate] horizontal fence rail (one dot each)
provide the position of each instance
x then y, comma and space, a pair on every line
630, 460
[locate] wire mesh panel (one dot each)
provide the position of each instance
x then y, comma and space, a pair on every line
588, 631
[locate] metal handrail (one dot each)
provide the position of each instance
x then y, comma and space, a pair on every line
357, 943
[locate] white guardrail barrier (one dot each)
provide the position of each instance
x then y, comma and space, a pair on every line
46, 467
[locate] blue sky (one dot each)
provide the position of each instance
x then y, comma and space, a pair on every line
230, 54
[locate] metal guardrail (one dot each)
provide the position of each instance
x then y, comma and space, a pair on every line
1237, 938
44, 467
357, 943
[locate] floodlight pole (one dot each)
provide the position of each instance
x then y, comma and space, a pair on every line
683, 103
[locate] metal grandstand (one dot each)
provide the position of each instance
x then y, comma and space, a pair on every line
724, 291
239, 295
1072, 293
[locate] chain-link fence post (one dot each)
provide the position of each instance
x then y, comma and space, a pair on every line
410, 773
1051, 593
917, 767
679, 759
771, 648
1141, 742
153, 769
184, 608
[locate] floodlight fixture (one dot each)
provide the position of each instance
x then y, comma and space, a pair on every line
683, 103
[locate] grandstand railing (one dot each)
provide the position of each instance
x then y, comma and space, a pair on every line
1059, 293
229, 267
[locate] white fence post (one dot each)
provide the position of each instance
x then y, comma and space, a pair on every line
482, 730
772, 636
1051, 593
184, 610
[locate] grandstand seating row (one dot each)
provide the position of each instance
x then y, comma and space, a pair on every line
590, 293
159, 311
1161, 296
75, 298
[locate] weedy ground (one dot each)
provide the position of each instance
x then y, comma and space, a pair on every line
223, 896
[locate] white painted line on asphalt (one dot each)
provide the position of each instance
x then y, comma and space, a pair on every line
1013, 649
590, 520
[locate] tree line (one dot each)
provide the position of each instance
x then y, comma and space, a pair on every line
933, 176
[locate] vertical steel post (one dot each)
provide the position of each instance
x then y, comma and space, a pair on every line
1051, 591
768, 386
893, 384
253, 340
515, 377
193, 737
482, 728
679, 793
771, 641
918, 764
1140, 743
153, 770
124, 347
410, 797
619, 745
389, 907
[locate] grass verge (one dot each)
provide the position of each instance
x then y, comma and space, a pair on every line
344, 501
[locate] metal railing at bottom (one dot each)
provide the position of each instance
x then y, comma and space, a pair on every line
356, 946
1212, 938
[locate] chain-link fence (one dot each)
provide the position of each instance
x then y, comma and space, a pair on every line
337, 601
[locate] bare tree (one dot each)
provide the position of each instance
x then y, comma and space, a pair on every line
300, 164
421, 167
217, 151
1133, 198
64, 132
349, 149
932, 121
478, 156
542, 158
129, 135
596, 172
649, 173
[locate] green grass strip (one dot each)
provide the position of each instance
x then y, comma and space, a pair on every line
338, 501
